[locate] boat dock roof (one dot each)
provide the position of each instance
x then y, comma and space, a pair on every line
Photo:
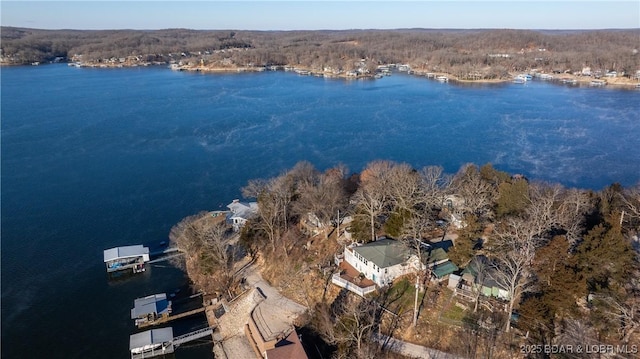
152, 304
147, 340
116, 253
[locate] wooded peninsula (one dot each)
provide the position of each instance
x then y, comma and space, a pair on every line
476, 264
464, 55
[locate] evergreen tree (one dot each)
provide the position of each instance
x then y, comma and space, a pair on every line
513, 197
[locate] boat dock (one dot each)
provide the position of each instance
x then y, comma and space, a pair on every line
156, 342
135, 257
124, 258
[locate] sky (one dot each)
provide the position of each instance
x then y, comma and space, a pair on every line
319, 15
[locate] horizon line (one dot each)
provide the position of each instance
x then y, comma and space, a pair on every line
329, 29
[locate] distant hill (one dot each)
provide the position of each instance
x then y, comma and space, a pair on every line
484, 53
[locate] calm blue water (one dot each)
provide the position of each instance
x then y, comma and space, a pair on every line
98, 158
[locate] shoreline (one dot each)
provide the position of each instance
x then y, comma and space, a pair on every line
562, 79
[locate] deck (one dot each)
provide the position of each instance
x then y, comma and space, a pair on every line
349, 278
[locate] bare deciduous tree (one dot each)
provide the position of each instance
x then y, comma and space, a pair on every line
322, 198
475, 191
571, 213
372, 197
513, 252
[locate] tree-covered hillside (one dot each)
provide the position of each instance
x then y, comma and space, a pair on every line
470, 54
567, 260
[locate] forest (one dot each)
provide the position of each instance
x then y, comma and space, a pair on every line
467, 54
568, 258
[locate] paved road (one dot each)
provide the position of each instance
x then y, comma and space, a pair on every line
413, 350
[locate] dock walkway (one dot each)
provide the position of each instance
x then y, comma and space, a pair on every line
169, 318
192, 336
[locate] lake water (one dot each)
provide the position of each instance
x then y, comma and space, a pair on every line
96, 158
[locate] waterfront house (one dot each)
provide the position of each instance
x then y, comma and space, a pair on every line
240, 213
378, 263
381, 261
270, 336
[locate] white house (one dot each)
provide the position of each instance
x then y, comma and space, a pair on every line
240, 213
382, 261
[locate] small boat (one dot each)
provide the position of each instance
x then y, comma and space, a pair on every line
442, 79
522, 78
518, 80
597, 83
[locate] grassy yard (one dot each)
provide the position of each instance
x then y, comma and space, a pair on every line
401, 296
454, 313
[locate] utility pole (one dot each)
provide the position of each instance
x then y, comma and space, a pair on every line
415, 302
338, 227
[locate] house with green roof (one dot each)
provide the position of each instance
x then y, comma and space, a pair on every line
480, 276
380, 262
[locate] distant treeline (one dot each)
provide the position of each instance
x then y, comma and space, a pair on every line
484, 53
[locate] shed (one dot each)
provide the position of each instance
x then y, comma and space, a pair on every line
442, 270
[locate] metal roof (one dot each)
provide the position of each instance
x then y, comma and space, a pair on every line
155, 303
150, 337
384, 253
125, 252
242, 209
443, 269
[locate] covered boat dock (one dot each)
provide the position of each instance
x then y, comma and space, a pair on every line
128, 257
150, 308
151, 343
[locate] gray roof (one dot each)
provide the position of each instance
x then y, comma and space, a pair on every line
150, 337
155, 303
242, 209
125, 252
384, 252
